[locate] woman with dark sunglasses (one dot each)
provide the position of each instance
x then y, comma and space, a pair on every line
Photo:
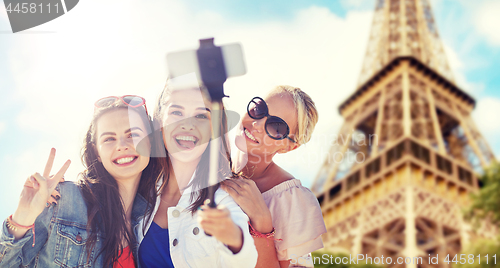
94, 222
282, 212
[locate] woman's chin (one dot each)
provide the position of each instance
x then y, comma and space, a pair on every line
186, 156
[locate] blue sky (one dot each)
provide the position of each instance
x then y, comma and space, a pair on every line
260, 11
51, 75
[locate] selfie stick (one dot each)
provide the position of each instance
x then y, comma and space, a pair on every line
212, 66
213, 75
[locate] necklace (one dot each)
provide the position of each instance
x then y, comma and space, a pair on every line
172, 202
161, 199
167, 203
253, 168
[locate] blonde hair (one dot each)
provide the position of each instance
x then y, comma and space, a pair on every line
307, 114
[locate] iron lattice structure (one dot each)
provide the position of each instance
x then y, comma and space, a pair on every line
408, 154
404, 28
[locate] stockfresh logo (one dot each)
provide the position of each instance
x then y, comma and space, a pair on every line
30, 13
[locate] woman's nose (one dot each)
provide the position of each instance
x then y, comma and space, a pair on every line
258, 124
122, 144
187, 124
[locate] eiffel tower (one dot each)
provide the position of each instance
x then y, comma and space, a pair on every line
408, 154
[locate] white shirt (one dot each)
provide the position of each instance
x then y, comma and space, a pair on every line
190, 247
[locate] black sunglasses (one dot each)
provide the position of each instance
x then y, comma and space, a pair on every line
276, 128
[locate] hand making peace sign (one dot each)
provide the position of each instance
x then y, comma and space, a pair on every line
37, 190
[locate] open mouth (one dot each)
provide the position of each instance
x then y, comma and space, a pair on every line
125, 160
188, 142
249, 135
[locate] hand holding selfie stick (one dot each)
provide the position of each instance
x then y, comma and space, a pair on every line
212, 65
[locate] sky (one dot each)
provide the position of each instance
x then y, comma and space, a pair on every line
51, 75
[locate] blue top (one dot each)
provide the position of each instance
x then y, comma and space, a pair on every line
154, 251
60, 234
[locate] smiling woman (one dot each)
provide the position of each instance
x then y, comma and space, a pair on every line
122, 162
279, 207
93, 222
187, 125
176, 235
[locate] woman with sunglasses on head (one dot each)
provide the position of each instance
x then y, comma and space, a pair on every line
281, 211
92, 224
176, 234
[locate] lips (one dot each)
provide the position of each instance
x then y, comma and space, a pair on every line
125, 160
249, 135
186, 141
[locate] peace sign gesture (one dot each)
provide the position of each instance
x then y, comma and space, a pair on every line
36, 192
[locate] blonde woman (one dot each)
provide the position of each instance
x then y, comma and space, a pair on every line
280, 209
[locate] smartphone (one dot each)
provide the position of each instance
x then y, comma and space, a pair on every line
186, 62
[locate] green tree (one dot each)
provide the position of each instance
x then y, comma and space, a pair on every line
485, 206
490, 248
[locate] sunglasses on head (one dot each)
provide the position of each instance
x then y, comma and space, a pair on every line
276, 128
133, 101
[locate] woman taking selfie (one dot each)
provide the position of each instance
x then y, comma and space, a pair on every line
282, 212
92, 223
176, 233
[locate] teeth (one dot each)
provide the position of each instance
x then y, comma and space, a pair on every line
125, 160
250, 135
185, 138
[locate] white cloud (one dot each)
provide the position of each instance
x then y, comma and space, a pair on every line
486, 116
357, 4
486, 119
453, 60
458, 69
487, 20
3, 125
3, 13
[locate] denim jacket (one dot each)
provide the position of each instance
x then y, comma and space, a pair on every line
60, 235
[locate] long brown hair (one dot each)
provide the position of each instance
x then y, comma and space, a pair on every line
105, 211
200, 181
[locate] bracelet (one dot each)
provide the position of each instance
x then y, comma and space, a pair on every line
258, 234
14, 226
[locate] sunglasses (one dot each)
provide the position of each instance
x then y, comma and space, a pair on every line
133, 101
276, 128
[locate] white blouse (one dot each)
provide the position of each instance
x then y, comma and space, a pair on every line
297, 219
190, 247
